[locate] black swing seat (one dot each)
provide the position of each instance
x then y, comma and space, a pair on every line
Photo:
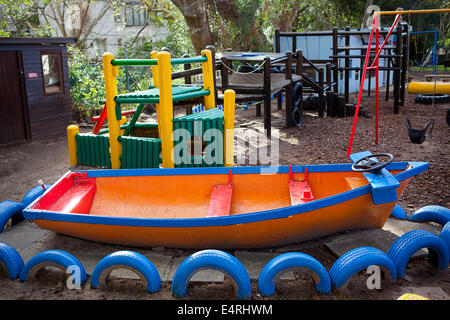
419, 136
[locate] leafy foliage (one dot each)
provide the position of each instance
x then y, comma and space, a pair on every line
18, 18
86, 84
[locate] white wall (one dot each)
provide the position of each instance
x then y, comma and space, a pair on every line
107, 35
321, 48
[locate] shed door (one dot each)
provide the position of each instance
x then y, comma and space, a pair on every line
12, 115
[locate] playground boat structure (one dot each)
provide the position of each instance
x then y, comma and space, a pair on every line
221, 207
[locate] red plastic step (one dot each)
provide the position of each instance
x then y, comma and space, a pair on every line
78, 199
220, 203
300, 190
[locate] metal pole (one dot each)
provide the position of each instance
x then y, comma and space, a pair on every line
411, 11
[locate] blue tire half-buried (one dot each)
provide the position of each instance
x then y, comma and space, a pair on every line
56, 258
133, 261
436, 214
9, 209
445, 236
33, 194
216, 260
290, 261
357, 260
405, 246
11, 259
399, 213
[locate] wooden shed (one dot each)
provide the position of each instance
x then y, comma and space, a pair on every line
35, 99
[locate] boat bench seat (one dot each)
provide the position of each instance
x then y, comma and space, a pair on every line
300, 191
220, 202
78, 199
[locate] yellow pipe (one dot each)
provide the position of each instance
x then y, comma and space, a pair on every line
165, 109
228, 114
429, 87
208, 79
111, 73
72, 131
411, 11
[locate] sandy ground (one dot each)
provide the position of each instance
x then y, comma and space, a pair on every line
318, 141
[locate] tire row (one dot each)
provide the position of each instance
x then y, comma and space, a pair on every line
393, 264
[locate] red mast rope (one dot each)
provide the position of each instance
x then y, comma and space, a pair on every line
375, 25
377, 39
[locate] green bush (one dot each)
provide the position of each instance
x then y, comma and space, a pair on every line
87, 86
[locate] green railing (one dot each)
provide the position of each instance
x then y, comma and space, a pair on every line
154, 62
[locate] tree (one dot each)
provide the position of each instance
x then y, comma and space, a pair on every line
19, 18
59, 13
282, 14
194, 13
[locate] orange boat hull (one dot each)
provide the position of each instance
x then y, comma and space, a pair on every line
169, 207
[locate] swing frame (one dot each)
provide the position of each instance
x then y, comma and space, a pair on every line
374, 30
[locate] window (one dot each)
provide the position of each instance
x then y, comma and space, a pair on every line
135, 14
52, 72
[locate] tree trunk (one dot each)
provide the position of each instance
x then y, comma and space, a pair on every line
194, 14
289, 14
367, 14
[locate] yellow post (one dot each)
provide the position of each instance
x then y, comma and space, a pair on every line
72, 131
111, 73
208, 79
155, 72
228, 117
155, 69
165, 124
122, 121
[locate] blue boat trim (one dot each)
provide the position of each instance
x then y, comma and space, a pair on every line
280, 213
224, 170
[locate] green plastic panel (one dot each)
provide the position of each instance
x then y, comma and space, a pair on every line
140, 152
93, 150
197, 125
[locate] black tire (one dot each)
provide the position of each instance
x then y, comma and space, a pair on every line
428, 98
246, 68
311, 102
297, 94
297, 117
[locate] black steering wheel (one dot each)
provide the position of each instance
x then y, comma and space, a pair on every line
365, 164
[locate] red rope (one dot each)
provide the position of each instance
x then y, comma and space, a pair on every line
361, 88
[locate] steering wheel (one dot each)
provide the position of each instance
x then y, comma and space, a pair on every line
365, 164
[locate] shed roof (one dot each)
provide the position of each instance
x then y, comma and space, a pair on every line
36, 41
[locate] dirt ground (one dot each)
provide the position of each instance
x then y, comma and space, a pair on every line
318, 141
